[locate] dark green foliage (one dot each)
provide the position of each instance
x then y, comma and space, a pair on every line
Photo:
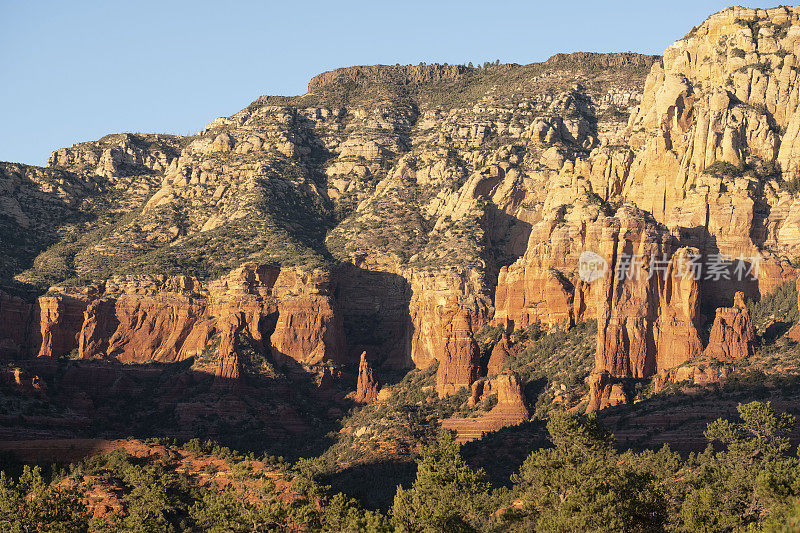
409, 416
750, 480
32, 504
559, 357
782, 29
752, 477
447, 494
722, 168
792, 186
763, 171
487, 337
530, 334
581, 485
780, 304
226, 512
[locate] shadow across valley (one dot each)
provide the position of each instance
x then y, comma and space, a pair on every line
374, 484
288, 414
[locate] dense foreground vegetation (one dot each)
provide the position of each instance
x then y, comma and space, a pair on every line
748, 478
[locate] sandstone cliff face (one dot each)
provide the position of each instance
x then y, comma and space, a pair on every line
117, 155
228, 367
723, 94
59, 317
604, 392
136, 328
439, 194
646, 301
702, 155
14, 320
702, 374
374, 302
309, 330
696, 96
460, 358
439, 199
35, 204
167, 319
648, 312
404, 75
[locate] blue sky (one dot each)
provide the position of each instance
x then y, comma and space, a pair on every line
75, 71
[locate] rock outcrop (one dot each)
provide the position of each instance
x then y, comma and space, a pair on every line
649, 306
228, 366
308, 330
136, 329
700, 374
402, 226
713, 141
367, 387
510, 410
14, 314
604, 391
501, 353
137, 319
733, 335
59, 318
460, 360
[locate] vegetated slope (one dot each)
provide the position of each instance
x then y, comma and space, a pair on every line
577, 481
268, 183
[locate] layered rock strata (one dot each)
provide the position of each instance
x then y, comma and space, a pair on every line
510, 410
146, 319
437, 210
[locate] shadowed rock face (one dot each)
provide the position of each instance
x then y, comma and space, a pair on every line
14, 318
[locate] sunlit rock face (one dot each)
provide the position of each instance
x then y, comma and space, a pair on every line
398, 210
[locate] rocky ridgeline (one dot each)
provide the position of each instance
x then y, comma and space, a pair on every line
396, 211
596, 60
377, 74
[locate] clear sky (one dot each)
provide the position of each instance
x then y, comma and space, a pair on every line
74, 71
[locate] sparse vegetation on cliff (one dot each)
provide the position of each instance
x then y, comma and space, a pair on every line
227, 285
